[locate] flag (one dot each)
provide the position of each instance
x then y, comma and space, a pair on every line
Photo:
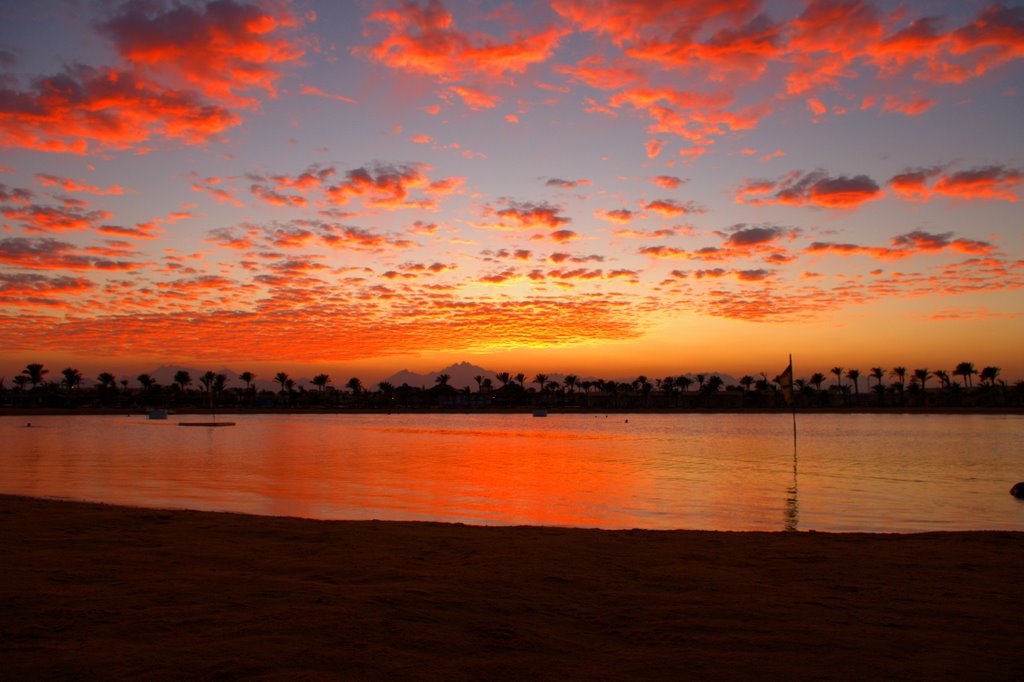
786, 382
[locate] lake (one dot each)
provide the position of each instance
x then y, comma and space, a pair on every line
850, 472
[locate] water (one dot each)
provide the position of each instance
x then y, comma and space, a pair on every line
886, 473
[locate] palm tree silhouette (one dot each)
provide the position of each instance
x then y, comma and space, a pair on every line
282, 379
72, 378
182, 379
878, 374
854, 376
901, 375
943, 377
746, 381
684, 382
504, 378
989, 374
540, 379
817, 379
35, 373
247, 377
838, 371
354, 385
966, 370
922, 375
570, 382
321, 381
442, 380
700, 382
521, 379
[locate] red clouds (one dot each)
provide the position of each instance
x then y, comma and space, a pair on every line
518, 215
811, 189
388, 186
424, 40
46, 253
29, 290
86, 107
222, 48
986, 182
989, 182
904, 246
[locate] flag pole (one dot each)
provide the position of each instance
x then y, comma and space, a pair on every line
793, 405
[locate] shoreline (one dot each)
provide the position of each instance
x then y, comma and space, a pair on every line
551, 411
105, 592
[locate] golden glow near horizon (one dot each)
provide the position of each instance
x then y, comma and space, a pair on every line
591, 186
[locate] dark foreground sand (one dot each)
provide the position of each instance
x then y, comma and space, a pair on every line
90, 591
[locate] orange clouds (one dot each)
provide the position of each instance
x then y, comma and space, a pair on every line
388, 186
424, 40
904, 246
85, 107
31, 290
810, 189
518, 215
222, 49
986, 182
46, 253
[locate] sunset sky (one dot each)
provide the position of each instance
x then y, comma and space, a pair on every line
601, 187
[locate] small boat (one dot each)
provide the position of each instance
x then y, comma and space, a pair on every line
540, 412
158, 414
206, 423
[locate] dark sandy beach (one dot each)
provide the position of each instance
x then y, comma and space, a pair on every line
102, 592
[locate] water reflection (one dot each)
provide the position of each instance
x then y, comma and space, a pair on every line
792, 514
716, 472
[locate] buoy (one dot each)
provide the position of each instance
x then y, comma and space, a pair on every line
1018, 490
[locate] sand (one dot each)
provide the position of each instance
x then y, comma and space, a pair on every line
90, 591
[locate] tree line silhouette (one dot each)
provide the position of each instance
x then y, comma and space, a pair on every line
896, 387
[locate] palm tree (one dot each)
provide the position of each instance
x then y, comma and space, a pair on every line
817, 379
320, 381
878, 374
146, 381
854, 376
182, 379
479, 379
746, 381
684, 382
442, 381
207, 379
922, 375
35, 373
72, 378
966, 370
247, 377
282, 378
570, 381
540, 379
354, 385
989, 374
838, 371
521, 378
504, 378
714, 383
943, 377
700, 382
901, 375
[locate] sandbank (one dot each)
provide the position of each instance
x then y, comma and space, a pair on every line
93, 591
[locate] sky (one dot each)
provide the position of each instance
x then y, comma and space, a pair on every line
599, 187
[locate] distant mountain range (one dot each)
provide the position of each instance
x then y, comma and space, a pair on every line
461, 375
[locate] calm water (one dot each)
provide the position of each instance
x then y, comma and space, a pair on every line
724, 472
